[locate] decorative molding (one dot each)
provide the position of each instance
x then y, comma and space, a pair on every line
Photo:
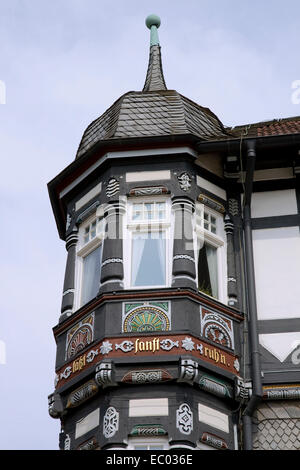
133, 297
233, 207
242, 389
146, 316
111, 260
184, 181
215, 386
110, 422
82, 394
113, 187
150, 346
188, 371
55, 406
149, 191
148, 430
125, 346
184, 419
190, 258
68, 222
211, 203
236, 365
213, 441
67, 443
142, 376
105, 347
168, 344
87, 212
68, 291
188, 344
216, 328
90, 444
281, 392
80, 336
105, 374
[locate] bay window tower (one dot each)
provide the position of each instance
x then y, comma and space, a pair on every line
153, 349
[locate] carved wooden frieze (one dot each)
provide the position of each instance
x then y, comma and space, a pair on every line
281, 392
214, 441
149, 346
142, 376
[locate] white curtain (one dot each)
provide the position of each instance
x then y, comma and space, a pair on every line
162, 255
91, 275
138, 246
211, 254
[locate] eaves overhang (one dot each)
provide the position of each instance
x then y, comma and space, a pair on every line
105, 152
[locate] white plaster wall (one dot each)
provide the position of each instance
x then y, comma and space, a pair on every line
277, 272
272, 203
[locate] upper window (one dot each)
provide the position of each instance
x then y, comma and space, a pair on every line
89, 254
210, 251
147, 243
142, 443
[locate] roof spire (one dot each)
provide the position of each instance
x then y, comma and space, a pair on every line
155, 77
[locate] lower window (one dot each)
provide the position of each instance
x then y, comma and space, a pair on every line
148, 259
141, 443
90, 275
208, 270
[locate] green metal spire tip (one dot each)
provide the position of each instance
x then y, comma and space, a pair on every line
153, 22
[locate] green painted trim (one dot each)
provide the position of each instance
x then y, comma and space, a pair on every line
148, 430
154, 40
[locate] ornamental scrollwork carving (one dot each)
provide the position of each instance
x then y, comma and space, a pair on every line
184, 419
110, 422
188, 371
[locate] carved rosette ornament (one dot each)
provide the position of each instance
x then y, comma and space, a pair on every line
110, 422
184, 419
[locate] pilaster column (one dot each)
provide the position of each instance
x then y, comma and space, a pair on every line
231, 268
112, 271
69, 282
184, 270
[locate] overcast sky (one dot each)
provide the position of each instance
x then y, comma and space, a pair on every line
63, 63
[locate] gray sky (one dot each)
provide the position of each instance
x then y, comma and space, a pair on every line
64, 63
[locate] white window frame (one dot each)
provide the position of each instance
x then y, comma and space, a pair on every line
82, 250
217, 240
130, 227
148, 441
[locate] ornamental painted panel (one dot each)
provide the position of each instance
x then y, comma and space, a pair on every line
146, 316
110, 422
80, 336
184, 419
82, 394
216, 328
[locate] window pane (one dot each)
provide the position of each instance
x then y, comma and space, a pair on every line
208, 270
140, 447
148, 259
156, 447
90, 275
